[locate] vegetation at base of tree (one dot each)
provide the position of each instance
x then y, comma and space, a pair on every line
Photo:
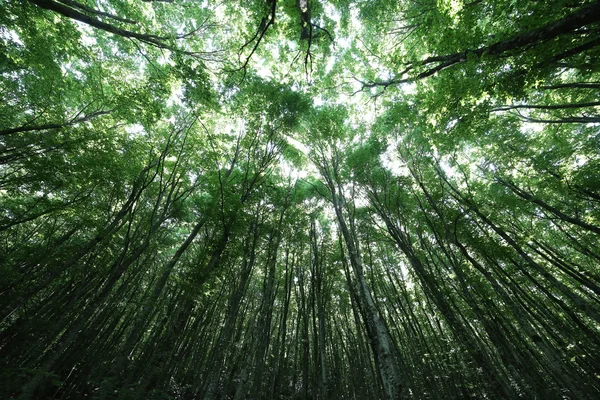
299, 199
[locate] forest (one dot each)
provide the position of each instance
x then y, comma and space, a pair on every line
299, 199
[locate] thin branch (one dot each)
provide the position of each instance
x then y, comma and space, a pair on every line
576, 85
368, 49
85, 8
383, 84
324, 30
69, 12
550, 107
308, 57
47, 127
571, 52
583, 17
193, 32
265, 23
146, 57
567, 120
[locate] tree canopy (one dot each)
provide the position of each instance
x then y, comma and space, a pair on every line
299, 199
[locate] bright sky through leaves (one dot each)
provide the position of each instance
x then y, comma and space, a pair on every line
290, 199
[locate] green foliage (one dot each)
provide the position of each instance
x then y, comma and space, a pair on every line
198, 203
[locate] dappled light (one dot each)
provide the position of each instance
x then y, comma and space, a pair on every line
299, 199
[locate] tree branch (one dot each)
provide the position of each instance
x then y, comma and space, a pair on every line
583, 17
550, 107
575, 85
46, 127
69, 12
567, 120
83, 7
260, 34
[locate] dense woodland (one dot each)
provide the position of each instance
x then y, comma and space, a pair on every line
299, 199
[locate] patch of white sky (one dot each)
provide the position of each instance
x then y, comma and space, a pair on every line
292, 172
105, 6
360, 199
135, 130
71, 69
298, 145
11, 35
390, 161
220, 10
88, 40
531, 127
262, 66
176, 97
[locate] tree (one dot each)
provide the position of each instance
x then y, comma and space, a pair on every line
299, 200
